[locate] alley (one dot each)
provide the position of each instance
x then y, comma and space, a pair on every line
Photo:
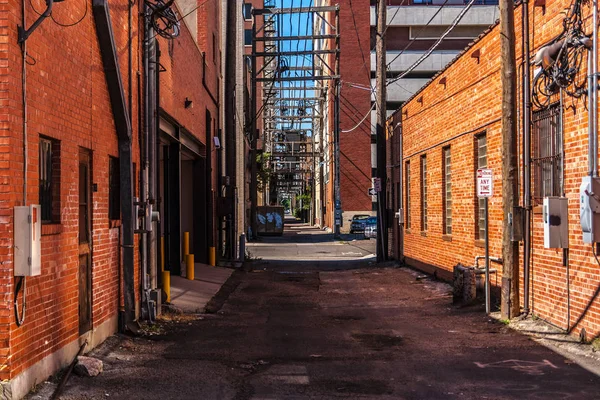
350, 332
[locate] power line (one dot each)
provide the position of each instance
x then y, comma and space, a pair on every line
435, 45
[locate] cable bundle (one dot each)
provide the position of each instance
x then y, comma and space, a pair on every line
163, 19
561, 61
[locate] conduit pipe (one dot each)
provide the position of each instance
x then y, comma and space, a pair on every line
594, 108
526, 116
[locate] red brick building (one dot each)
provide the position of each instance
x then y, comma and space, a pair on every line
68, 133
450, 128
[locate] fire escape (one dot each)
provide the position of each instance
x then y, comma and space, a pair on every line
297, 70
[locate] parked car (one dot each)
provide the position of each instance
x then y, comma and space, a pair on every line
370, 229
357, 223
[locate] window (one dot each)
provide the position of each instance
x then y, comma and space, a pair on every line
547, 160
407, 182
423, 193
247, 37
247, 11
49, 174
114, 189
481, 162
447, 190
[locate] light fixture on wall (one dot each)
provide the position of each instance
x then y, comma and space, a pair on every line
188, 103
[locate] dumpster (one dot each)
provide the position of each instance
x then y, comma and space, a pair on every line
269, 220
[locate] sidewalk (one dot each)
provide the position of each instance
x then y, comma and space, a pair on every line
192, 296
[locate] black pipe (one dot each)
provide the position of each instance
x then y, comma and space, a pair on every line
112, 74
526, 157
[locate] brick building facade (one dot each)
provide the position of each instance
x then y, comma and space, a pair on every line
449, 129
71, 149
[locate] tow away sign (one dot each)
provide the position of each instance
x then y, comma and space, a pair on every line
485, 183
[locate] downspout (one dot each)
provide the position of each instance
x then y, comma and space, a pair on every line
108, 51
144, 170
153, 248
526, 156
595, 90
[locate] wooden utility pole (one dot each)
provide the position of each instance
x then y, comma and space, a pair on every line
510, 307
382, 242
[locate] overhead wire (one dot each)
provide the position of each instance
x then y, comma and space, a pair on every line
458, 18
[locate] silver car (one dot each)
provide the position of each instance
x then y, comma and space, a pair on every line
371, 228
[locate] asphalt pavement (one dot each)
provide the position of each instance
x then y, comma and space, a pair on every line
330, 327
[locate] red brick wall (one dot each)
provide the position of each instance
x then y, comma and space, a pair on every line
355, 146
67, 101
450, 115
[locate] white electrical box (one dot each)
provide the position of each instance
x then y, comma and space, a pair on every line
556, 222
28, 232
589, 209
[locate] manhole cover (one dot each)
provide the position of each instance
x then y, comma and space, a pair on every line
378, 341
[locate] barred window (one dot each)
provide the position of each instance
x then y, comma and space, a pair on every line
423, 193
481, 162
547, 160
49, 180
407, 182
447, 190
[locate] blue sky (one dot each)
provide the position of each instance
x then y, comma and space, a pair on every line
298, 24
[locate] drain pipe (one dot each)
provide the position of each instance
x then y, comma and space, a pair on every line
526, 156
594, 96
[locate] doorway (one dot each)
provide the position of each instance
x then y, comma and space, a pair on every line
85, 242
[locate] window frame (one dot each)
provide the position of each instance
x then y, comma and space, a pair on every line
479, 203
423, 179
407, 219
114, 198
50, 196
247, 11
447, 190
246, 32
547, 160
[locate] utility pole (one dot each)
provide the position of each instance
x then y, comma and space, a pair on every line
253, 137
510, 250
382, 242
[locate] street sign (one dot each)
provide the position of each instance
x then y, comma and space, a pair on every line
485, 183
372, 192
377, 184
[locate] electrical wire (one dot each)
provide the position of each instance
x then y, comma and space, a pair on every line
563, 70
362, 120
435, 45
73, 23
418, 34
20, 317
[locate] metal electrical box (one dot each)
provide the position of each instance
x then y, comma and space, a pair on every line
28, 232
589, 209
556, 222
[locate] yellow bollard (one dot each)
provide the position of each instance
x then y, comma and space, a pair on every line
166, 281
189, 263
162, 253
186, 243
212, 256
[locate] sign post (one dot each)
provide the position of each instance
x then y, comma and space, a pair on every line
485, 190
